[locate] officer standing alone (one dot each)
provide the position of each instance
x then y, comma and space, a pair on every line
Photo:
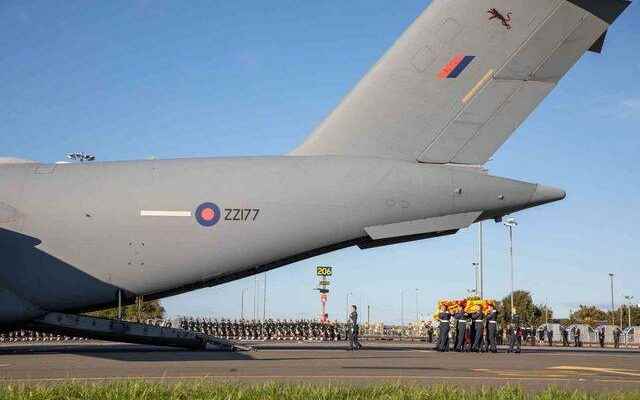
355, 328
443, 329
429, 333
514, 335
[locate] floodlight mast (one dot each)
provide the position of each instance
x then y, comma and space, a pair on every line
510, 224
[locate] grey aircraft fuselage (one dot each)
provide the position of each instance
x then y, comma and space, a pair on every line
397, 160
72, 235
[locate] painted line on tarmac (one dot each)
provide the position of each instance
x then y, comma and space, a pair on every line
594, 369
533, 373
4, 365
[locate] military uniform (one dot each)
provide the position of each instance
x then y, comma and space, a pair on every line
492, 329
461, 326
565, 336
601, 336
478, 323
443, 331
541, 335
354, 343
616, 337
576, 337
429, 334
514, 335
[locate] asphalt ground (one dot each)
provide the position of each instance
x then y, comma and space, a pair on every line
534, 369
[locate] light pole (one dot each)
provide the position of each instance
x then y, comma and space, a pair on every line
242, 303
402, 308
476, 269
546, 312
256, 299
481, 259
264, 299
348, 295
510, 224
629, 298
417, 308
613, 316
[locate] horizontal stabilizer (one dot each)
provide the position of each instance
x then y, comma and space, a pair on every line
599, 44
606, 10
422, 226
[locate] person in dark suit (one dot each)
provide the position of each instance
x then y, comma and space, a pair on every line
354, 343
443, 329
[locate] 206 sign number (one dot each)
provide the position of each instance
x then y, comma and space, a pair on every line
241, 214
324, 271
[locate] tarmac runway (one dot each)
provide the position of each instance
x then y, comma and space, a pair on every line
323, 363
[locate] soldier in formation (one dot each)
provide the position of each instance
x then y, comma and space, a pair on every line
461, 328
443, 329
430, 333
565, 336
478, 328
601, 335
29, 336
541, 334
616, 337
301, 330
576, 337
492, 329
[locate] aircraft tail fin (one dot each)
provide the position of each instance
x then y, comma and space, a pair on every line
462, 78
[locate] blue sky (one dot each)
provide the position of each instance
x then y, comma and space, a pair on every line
166, 79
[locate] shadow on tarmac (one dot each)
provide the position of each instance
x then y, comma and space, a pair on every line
128, 352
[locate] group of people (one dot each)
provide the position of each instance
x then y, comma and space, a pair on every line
472, 332
617, 334
29, 336
300, 330
280, 330
459, 331
476, 332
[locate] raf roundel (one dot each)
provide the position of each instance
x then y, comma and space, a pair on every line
208, 214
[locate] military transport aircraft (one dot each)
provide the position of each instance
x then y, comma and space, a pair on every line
400, 159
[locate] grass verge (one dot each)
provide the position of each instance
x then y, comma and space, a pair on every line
140, 390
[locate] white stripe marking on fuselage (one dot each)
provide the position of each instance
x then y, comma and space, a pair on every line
147, 213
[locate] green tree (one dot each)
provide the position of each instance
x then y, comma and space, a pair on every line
524, 308
590, 315
623, 311
149, 310
541, 314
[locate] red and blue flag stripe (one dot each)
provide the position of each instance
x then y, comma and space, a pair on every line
455, 67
